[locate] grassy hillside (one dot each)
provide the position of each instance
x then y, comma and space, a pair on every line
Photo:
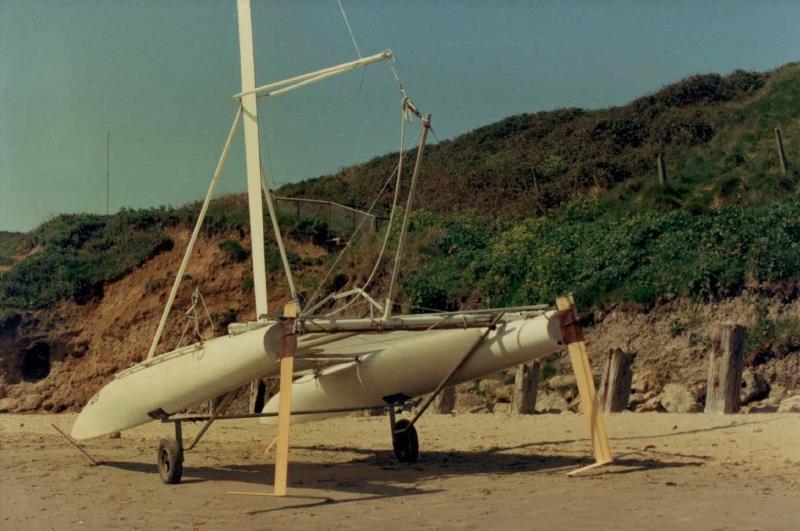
643, 256
74, 255
716, 134
573, 199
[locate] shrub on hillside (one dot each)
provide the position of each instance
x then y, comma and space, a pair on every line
233, 250
80, 253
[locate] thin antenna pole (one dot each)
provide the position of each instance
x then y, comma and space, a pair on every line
426, 125
108, 169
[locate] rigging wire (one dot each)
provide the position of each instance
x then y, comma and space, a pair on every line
405, 117
353, 38
391, 218
263, 130
347, 23
408, 111
350, 241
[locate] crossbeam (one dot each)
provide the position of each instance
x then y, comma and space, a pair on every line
422, 321
405, 323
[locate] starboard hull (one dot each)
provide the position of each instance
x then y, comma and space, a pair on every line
411, 364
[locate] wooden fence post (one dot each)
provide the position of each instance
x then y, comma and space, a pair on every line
214, 403
662, 170
445, 401
779, 148
615, 384
526, 385
725, 369
257, 397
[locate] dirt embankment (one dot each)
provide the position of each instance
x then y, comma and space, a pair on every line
57, 357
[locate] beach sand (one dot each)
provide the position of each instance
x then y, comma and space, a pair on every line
476, 471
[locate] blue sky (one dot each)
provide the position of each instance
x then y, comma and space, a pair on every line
159, 76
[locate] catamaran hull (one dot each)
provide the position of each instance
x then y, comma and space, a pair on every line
413, 364
177, 380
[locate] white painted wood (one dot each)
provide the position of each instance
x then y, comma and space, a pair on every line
252, 157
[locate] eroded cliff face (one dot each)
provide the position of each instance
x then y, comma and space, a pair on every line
55, 358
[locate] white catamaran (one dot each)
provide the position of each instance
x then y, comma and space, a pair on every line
343, 363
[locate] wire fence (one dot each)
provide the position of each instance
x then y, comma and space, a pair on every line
340, 219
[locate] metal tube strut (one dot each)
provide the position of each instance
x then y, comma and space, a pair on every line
452, 373
426, 126
195, 233
318, 75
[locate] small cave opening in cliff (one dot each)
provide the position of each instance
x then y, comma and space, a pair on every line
35, 364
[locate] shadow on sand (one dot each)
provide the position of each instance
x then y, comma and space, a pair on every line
375, 474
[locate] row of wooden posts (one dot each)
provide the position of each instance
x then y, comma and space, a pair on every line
662, 169
725, 362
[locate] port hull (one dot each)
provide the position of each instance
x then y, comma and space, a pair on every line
177, 380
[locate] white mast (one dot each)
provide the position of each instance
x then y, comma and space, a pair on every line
252, 157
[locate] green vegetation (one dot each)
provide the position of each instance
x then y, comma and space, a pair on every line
79, 253
602, 257
234, 250
547, 371
779, 333
74, 255
9, 245
716, 135
516, 212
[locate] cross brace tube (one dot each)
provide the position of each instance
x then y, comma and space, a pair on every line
452, 372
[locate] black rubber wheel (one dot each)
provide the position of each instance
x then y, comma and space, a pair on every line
170, 461
405, 443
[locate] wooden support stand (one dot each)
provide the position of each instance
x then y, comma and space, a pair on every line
445, 401
287, 351
615, 384
725, 370
526, 386
572, 334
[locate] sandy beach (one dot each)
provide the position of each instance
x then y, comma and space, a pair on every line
476, 471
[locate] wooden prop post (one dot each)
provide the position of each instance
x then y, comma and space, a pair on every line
526, 385
725, 370
615, 385
572, 334
288, 348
